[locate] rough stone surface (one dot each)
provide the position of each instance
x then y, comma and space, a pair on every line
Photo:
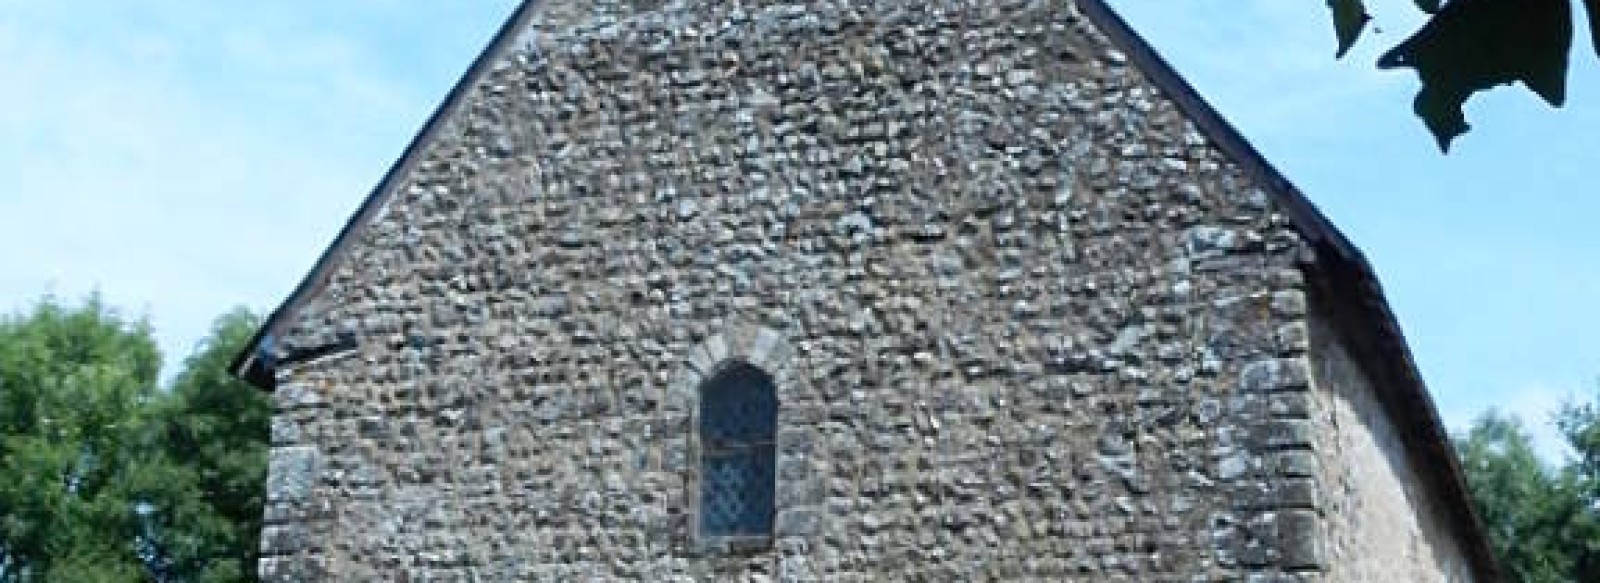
292, 471
1026, 323
1383, 523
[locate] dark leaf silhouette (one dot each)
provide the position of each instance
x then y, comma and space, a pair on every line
1349, 18
1473, 45
1593, 8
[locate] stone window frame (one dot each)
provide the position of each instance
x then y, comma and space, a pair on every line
768, 350
704, 454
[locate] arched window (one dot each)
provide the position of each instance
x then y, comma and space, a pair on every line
738, 419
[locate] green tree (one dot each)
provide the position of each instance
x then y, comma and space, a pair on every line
218, 426
76, 442
1469, 46
1542, 519
1518, 499
106, 477
1580, 425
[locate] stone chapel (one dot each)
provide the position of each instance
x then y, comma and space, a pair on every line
845, 290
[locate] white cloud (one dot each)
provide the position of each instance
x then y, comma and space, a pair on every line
1534, 404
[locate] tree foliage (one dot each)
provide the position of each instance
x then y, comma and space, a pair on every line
105, 476
1543, 520
218, 425
1580, 426
1469, 46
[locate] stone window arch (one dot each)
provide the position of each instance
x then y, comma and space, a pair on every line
737, 431
744, 377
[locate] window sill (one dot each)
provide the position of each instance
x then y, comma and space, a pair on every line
735, 545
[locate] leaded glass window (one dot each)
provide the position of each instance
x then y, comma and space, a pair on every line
738, 419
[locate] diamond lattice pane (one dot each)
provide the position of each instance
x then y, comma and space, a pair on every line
736, 493
738, 420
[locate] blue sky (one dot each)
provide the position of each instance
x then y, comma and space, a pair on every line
183, 157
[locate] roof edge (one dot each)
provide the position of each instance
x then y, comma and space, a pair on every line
1320, 232
1431, 442
1313, 224
249, 365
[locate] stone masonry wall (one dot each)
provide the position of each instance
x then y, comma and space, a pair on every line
1383, 523
1032, 325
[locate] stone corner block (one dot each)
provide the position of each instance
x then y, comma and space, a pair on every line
1275, 374
292, 569
1300, 539
291, 473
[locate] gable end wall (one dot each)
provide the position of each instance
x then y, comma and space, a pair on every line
1038, 326
1385, 517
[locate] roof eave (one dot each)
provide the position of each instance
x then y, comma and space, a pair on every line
249, 364
253, 364
1333, 249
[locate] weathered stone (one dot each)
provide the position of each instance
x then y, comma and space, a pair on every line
284, 431
1374, 520
1300, 542
1233, 466
1298, 493
292, 569
1287, 434
1208, 241
291, 473
1289, 304
283, 539
1291, 404
798, 521
1273, 374
1296, 464
1024, 318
